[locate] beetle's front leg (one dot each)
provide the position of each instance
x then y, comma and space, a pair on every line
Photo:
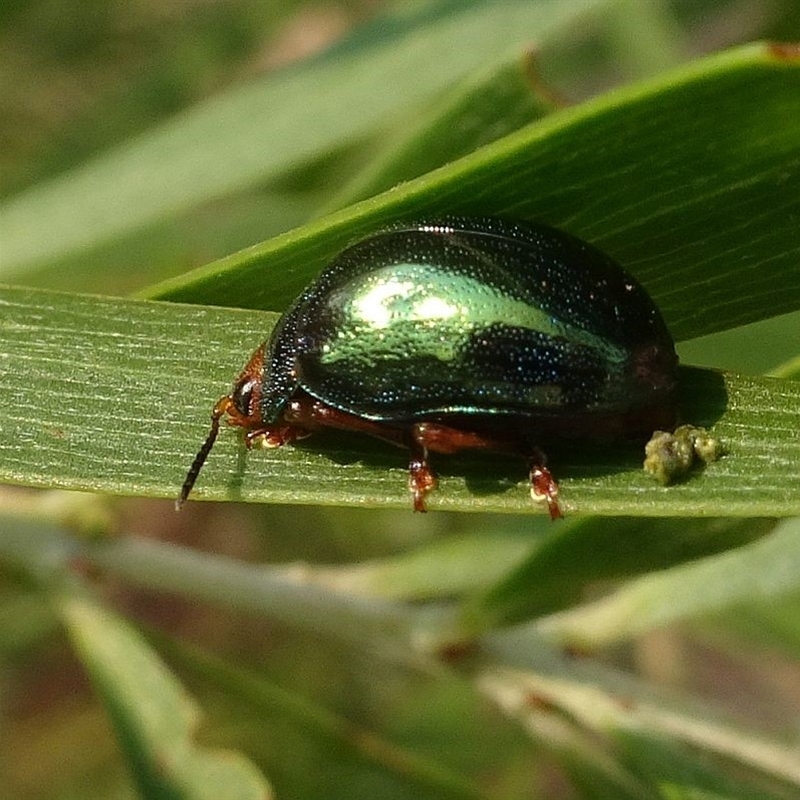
274, 436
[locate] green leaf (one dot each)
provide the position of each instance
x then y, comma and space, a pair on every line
573, 555
755, 626
700, 203
674, 766
758, 348
658, 745
479, 110
759, 571
249, 694
789, 370
271, 126
154, 717
115, 395
445, 567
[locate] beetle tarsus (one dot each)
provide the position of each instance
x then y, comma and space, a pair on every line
545, 487
421, 481
421, 478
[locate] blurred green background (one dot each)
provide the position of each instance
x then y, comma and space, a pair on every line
82, 78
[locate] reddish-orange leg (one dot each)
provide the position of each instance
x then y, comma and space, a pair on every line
429, 436
303, 415
544, 485
425, 438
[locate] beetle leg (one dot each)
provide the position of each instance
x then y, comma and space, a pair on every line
305, 414
275, 436
443, 439
421, 478
543, 484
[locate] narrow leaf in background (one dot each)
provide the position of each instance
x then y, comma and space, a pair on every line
699, 204
766, 568
154, 717
237, 139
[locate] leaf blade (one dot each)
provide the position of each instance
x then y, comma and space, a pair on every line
261, 131
112, 395
154, 717
712, 238
764, 569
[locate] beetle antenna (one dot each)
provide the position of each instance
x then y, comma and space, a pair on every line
202, 454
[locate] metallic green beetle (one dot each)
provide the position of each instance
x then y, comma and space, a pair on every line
461, 334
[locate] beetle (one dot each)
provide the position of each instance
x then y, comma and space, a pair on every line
461, 334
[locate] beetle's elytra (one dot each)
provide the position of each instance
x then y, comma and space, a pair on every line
461, 334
